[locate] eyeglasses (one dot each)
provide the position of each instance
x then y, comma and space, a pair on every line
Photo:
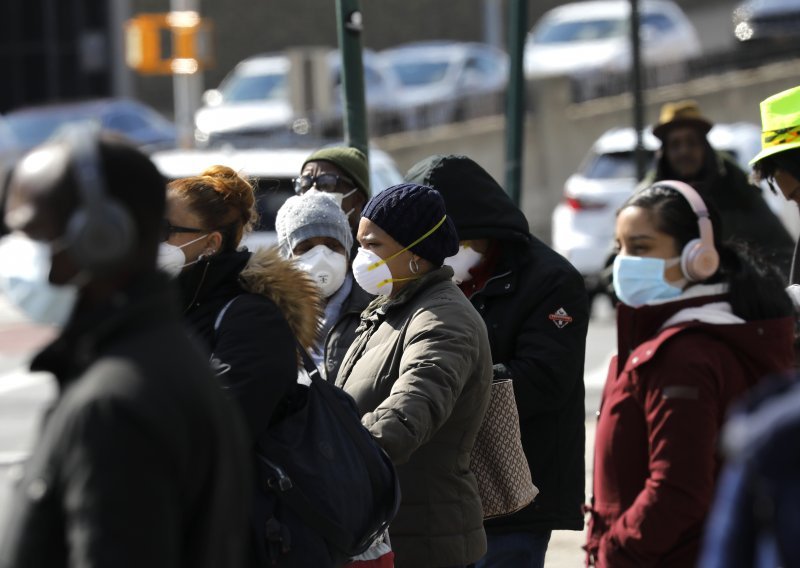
167, 229
324, 182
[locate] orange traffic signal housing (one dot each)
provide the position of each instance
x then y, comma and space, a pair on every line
170, 42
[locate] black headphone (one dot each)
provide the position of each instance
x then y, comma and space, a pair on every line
100, 233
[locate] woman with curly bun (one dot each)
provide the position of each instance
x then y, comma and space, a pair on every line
247, 308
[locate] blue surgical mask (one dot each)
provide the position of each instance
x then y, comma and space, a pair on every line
639, 280
24, 281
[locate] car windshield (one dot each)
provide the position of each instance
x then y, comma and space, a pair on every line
584, 30
417, 73
612, 166
255, 87
33, 129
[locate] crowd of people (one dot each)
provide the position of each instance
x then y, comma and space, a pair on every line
180, 351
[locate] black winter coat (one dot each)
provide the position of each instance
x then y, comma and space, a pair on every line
253, 349
269, 305
536, 311
141, 461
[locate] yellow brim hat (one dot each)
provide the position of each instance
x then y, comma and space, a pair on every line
780, 123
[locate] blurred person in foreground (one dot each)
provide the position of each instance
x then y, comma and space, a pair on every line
248, 310
535, 307
141, 461
756, 515
420, 372
699, 323
342, 173
687, 156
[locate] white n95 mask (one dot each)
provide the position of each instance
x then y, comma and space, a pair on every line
171, 259
372, 273
461, 263
326, 267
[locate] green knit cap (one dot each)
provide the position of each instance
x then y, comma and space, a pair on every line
352, 161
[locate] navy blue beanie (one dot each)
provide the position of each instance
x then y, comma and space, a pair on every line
406, 212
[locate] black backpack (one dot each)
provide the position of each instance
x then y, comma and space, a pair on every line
326, 489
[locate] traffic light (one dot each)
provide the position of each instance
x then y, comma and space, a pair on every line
168, 43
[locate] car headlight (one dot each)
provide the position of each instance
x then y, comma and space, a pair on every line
743, 31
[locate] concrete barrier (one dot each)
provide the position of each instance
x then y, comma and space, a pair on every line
559, 133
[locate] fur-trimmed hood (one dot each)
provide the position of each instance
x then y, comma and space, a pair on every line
292, 290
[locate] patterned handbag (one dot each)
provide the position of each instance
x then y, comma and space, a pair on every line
498, 461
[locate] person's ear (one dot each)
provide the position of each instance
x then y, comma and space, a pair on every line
213, 243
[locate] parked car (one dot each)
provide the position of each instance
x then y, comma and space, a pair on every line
272, 170
442, 81
143, 125
767, 21
583, 223
585, 37
254, 98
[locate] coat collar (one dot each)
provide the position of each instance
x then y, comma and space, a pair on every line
381, 305
637, 325
151, 300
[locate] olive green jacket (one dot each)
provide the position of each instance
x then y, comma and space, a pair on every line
420, 370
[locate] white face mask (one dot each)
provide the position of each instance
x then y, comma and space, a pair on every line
461, 263
24, 281
372, 273
171, 259
326, 267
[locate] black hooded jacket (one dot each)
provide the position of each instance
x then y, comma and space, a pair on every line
536, 311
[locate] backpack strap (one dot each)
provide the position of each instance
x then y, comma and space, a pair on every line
221, 314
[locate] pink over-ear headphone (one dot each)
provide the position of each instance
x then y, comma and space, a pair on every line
699, 258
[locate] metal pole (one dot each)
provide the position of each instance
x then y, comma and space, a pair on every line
121, 75
638, 94
349, 26
493, 23
187, 88
515, 97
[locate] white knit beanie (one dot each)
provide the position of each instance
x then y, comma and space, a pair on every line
313, 214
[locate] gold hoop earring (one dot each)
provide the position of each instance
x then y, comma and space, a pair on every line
413, 266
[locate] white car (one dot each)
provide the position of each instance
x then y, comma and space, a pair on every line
273, 171
254, 98
445, 81
583, 37
583, 223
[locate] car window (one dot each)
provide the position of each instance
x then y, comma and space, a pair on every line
417, 73
612, 165
584, 30
255, 87
126, 122
658, 21
33, 129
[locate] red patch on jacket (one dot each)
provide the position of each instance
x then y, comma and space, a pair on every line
560, 318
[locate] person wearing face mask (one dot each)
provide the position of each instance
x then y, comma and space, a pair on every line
313, 230
342, 172
535, 305
420, 372
247, 309
699, 323
686, 155
140, 460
